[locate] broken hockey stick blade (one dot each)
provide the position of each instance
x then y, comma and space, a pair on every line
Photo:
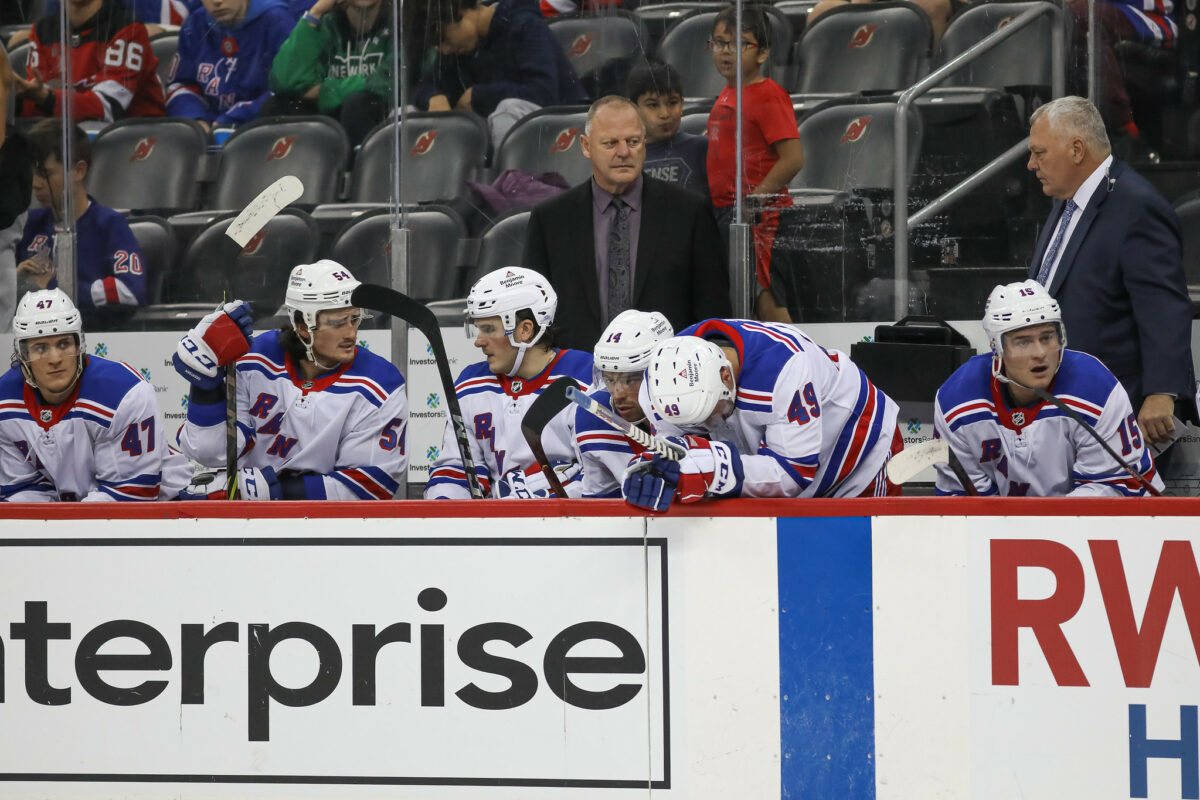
1073, 414
657, 446
916, 458
258, 213
389, 301
548, 404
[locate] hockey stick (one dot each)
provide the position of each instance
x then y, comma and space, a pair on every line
659, 447
914, 459
389, 301
1073, 414
552, 400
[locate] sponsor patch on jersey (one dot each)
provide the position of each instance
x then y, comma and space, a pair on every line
1018, 418
46, 415
517, 386
306, 385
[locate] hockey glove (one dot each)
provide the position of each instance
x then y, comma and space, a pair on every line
521, 486
259, 484
207, 485
217, 340
712, 469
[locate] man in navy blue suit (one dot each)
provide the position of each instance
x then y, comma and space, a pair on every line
1110, 254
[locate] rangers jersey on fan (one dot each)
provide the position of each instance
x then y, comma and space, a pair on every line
103, 443
492, 409
1040, 451
806, 420
112, 67
108, 259
343, 432
604, 452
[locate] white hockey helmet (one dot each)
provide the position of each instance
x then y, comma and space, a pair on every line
684, 380
1013, 306
629, 340
322, 286
505, 292
46, 312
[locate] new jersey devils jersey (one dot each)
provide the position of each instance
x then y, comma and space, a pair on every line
343, 432
806, 420
112, 67
492, 408
103, 443
1040, 451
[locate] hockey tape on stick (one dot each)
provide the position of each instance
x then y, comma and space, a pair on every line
1073, 414
916, 458
660, 447
548, 404
258, 213
389, 301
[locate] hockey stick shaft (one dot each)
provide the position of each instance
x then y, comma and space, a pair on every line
915, 459
548, 404
1073, 414
657, 446
389, 301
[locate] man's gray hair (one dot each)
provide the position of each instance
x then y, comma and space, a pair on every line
611, 100
1076, 116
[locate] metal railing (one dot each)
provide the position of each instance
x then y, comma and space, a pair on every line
903, 221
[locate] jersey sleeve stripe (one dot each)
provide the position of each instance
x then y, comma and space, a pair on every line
369, 483
36, 484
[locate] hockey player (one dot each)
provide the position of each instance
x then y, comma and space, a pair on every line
319, 418
1011, 443
74, 426
512, 311
621, 357
786, 417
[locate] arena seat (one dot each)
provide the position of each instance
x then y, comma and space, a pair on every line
849, 147
501, 244
659, 17
438, 152
797, 13
864, 47
314, 149
602, 47
158, 244
547, 141
165, 45
364, 246
148, 164
1188, 209
18, 57
685, 47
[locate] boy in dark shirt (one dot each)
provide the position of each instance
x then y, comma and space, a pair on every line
671, 155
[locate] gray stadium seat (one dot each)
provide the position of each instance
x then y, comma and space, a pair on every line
438, 152
1020, 61
150, 163
314, 149
547, 141
165, 46
685, 47
502, 244
364, 246
1188, 209
156, 239
659, 17
864, 47
797, 13
18, 57
849, 147
602, 48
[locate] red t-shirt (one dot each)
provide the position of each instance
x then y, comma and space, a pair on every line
769, 118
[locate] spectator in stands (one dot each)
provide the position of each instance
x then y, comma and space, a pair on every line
226, 49
552, 8
338, 62
154, 14
112, 66
16, 174
624, 239
671, 155
1110, 255
939, 11
499, 60
771, 152
110, 272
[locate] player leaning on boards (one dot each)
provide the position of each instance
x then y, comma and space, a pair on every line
1012, 443
512, 311
74, 426
318, 417
786, 418
621, 356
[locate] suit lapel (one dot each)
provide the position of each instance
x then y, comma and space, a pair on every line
647, 238
1095, 202
1039, 252
587, 249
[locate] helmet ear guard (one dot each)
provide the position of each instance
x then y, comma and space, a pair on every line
1013, 306
684, 380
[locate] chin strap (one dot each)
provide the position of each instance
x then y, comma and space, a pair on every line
522, 347
312, 356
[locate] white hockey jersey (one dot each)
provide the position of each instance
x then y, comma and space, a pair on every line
492, 408
343, 433
1039, 451
806, 420
105, 442
604, 451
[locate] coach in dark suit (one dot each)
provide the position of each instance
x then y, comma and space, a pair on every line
624, 239
1110, 254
